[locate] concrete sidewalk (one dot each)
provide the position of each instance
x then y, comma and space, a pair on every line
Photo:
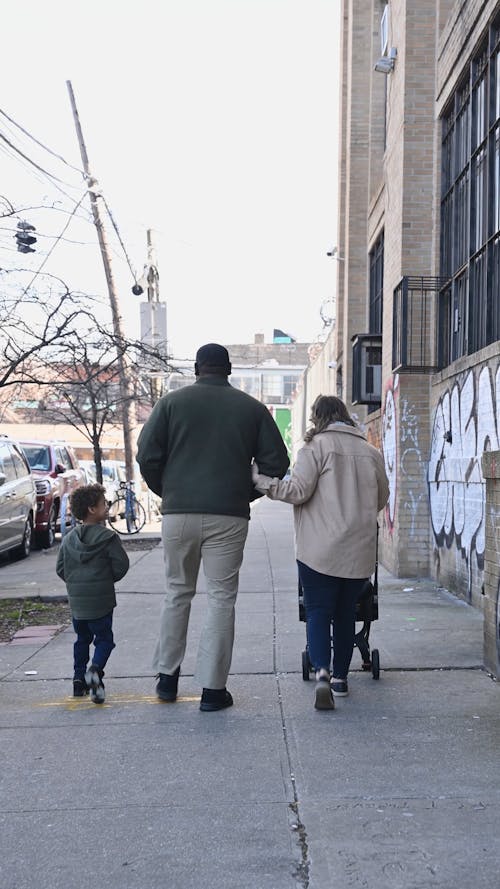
396, 788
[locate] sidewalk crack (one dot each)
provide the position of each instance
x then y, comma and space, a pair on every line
301, 872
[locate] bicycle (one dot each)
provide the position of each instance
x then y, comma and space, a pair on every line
126, 515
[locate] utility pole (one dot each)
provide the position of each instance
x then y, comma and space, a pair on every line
153, 280
153, 318
125, 391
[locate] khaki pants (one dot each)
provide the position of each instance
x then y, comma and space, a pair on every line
217, 541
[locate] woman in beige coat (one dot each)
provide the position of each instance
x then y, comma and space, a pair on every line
337, 487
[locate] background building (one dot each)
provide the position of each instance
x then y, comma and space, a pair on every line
270, 372
419, 271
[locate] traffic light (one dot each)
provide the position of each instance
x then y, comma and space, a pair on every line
23, 237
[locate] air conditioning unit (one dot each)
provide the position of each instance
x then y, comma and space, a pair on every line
384, 31
367, 368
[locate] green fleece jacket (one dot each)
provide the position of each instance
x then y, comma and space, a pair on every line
197, 446
90, 560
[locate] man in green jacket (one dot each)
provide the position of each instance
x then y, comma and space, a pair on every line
195, 451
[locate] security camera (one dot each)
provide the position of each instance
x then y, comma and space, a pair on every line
332, 365
386, 64
332, 252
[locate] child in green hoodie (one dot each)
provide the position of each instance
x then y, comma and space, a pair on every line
91, 559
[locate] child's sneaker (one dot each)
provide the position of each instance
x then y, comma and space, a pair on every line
93, 678
323, 698
80, 688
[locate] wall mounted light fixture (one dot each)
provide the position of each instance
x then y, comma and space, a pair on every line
386, 64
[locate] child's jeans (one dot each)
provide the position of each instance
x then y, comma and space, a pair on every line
100, 632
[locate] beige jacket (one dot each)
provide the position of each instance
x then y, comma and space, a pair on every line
337, 486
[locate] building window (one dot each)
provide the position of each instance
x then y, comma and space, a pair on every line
376, 285
290, 385
272, 387
248, 384
470, 207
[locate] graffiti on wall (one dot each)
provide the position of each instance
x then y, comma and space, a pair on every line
466, 423
390, 447
413, 467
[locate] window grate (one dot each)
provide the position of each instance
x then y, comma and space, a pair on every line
415, 340
376, 285
469, 313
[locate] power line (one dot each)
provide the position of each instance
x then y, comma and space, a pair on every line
33, 163
115, 226
41, 144
54, 245
27, 164
39, 234
55, 179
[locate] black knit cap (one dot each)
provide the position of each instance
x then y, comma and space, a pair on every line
212, 358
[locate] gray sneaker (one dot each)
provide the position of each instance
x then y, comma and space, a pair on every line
323, 698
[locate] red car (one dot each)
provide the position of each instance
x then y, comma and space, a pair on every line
57, 473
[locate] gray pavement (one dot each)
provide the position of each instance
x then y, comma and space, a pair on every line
398, 787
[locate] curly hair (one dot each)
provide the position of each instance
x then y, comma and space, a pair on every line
84, 498
325, 410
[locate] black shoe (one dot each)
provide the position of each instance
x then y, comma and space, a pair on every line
93, 678
340, 688
80, 688
166, 687
215, 699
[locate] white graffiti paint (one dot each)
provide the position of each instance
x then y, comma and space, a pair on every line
409, 426
470, 416
413, 467
390, 448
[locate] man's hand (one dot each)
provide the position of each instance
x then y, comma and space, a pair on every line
255, 472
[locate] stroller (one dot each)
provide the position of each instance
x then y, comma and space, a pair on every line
366, 612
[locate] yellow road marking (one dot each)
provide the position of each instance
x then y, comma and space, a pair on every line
85, 703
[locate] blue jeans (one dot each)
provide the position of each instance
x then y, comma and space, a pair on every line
100, 632
330, 600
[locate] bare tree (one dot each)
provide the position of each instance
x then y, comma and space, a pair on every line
51, 339
35, 322
81, 386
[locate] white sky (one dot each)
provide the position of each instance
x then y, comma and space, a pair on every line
214, 122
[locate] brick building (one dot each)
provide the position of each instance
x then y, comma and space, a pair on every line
419, 271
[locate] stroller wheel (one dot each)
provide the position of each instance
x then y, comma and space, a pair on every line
375, 664
306, 666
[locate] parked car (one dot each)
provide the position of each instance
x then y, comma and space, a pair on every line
113, 473
57, 472
88, 467
17, 499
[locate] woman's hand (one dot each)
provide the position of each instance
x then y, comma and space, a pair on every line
261, 482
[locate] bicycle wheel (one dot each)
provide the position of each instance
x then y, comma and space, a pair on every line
135, 517
117, 515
